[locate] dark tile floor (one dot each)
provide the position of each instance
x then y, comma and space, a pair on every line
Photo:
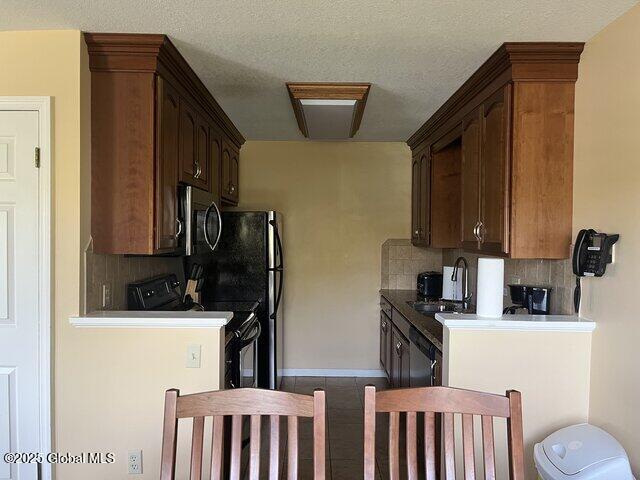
345, 411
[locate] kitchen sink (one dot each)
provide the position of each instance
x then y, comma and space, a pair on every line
429, 307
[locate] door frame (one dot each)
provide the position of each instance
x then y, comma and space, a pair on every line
42, 105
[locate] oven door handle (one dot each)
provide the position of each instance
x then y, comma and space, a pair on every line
205, 227
249, 340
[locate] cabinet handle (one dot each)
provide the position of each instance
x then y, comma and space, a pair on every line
198, 170
416, 234
475, 231
399, 349
384, 327
232, 188
179, 229
481, 231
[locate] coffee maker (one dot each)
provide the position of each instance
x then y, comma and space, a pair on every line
533, 299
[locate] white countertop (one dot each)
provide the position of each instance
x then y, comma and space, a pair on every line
565, 323
140, 319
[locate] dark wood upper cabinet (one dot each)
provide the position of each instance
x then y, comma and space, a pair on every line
493, 228
151, 127
470, 180
415, 199
446, 196
230, 173
167, 223
425, 199
514, 116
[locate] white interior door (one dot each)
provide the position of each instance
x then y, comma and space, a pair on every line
20, 394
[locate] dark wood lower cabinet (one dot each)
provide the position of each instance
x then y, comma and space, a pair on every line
400, 363
385, 341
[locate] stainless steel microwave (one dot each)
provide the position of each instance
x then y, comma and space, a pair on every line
200, 221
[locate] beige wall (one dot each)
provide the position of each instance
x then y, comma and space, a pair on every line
49, 63
340, 202
607, 198
113, 394
550, 369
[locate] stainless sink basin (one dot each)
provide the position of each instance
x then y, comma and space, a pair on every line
436, 306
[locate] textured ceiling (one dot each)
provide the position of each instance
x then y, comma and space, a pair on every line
415, 52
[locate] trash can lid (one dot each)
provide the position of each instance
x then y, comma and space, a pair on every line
575, 448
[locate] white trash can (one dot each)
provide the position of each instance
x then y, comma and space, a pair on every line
581, 452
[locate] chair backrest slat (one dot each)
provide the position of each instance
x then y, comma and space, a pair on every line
515, 436
169, 436
254, 454
369, 433
236, 405
319, 426
447, 403
274, 447
449, 447
292, 448
217, 447
394, 446
411, 440
236, 447
488, 449
430, 445
197, 440
467, 447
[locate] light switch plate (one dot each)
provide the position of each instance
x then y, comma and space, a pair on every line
193, 356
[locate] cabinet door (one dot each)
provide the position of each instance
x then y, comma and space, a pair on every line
405, 364
493, 229
385, 326
415, 199
188, 141
425, 198
230, 172
166, 200
202, 169
215, 162
471, 136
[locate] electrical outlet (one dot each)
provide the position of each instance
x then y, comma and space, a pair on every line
193, 356
106, 295
134, 461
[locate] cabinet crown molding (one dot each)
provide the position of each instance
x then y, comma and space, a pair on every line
515, 62
154, 53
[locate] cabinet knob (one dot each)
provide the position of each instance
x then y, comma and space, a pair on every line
416, 233
399, 348
232, 188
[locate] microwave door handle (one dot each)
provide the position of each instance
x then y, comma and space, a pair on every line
207, 237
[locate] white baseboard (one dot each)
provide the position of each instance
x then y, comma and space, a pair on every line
329, 372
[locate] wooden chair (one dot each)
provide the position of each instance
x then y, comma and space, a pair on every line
447, 401
236, 403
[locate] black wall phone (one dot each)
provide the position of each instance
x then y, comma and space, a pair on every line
591, 254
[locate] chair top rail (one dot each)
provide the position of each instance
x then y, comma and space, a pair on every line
244, 401
442, 400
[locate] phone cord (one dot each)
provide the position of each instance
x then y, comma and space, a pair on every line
576, 295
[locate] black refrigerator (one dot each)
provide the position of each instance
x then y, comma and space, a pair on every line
248, 265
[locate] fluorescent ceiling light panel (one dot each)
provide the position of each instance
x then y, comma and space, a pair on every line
328, 111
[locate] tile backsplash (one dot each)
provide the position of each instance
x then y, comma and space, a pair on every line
117, 271
556, 274
401, 262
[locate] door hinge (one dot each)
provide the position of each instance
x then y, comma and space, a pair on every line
37, 157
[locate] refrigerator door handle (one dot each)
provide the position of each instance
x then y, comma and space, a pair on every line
279, 243
279, 294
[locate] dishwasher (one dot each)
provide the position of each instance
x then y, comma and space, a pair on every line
425, 364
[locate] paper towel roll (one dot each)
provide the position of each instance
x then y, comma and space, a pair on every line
490, 287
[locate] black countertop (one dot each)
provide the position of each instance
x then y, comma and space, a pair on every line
426, 324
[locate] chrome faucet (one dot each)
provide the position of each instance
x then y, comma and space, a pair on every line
466, 296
